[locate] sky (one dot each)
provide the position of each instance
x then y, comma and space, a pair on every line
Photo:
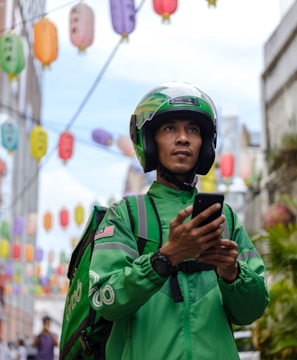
220, 50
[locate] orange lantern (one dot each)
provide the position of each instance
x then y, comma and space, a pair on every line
124, 143
38, 142
31, 224
45, 41
165, 8
16, 251
227, 165
12, 57
66, 145
64, 218
81, 23
29, 252
2, 167
79, 214
38, 270
47, 221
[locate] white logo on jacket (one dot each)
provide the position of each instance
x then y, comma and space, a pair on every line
100, 296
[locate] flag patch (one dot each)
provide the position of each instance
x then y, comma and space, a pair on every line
107, 231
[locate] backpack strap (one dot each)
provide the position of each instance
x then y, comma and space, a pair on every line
141, 208
229, 223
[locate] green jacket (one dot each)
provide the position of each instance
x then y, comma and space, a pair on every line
148, 324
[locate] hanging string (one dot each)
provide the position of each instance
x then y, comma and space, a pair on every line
70, 123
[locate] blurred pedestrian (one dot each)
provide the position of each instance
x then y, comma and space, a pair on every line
46, 341
22, 352
4, 350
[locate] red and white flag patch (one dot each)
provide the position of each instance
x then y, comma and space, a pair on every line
105, 232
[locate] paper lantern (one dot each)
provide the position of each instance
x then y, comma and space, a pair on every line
9, 268
38, 142
212, 3
38, 254
64, 218
18, 227
227, 165
45, 41
65, 145
81, 26
102, 137
79, 214
5, 229
4, 248
165, 8
12, 57
2, 168
29, 270
16, 251
208, 182
51, 256
29, 252
123, 16
31, 225
38, 270
124, 143
10, 135
47, 221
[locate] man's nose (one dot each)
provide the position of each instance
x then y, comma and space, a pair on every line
182, 136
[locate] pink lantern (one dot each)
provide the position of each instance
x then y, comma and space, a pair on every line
31, 224
124, 143
227, 165
123, 16
165, 8
64, 218
66, 145
81, 26
102, 137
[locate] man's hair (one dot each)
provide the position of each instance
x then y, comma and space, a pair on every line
46, 318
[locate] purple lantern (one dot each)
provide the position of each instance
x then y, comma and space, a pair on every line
18, 226
102, 137
38, 254
123, 16
9, 270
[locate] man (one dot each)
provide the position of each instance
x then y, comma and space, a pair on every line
46, 341
161, 309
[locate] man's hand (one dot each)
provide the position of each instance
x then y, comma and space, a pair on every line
188, 240
224, 257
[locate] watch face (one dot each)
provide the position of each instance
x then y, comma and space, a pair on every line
161, 264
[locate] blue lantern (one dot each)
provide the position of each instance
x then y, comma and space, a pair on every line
10, 135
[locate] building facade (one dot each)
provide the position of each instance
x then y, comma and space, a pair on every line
20, 101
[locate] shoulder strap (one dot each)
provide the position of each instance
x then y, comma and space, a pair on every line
142, 208
229, 223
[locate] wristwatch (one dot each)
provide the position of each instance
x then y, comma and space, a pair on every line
161, 264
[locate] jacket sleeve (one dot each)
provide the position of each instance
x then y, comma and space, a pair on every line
121, 281
247, 297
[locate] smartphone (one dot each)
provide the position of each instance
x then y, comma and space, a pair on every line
205, 200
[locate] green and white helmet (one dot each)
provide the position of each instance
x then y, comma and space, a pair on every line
173, 99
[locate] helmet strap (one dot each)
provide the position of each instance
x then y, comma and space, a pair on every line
169, 176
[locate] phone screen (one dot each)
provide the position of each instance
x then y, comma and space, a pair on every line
205, 200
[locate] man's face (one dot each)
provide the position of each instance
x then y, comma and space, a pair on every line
178, 143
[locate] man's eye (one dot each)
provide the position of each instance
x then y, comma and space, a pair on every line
194, 130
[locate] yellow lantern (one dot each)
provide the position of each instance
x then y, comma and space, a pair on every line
45, 41
208, 182
4, 248
38, 142
79, 214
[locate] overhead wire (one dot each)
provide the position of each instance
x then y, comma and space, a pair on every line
73, 118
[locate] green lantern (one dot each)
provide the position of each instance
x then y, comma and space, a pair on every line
12, 58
